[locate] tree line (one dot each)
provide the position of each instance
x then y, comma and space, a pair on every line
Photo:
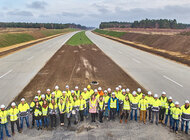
41, 25
147, 23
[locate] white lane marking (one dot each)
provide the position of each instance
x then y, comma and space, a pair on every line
5, 74
30, 58
172, 81
120, 52
136, 60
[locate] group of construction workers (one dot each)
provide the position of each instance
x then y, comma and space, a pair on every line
76, 104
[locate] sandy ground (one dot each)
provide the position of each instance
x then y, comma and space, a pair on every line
79, 65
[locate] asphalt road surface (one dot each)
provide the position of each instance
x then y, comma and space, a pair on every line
17, 69
153, 72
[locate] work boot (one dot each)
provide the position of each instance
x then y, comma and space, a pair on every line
176, 132
13, 133
125, 120
121, 121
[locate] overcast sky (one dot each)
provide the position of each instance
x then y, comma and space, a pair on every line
92, 12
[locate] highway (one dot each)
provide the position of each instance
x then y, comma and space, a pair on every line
153, 72
17, 69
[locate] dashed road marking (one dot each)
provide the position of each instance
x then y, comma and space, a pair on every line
30, 58
172, 81
137, 61
5, 74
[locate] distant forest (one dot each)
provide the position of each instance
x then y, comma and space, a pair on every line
41, 25
147, 23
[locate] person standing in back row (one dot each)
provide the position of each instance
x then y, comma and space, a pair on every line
163, 100
143, 105
185, 117
155, 108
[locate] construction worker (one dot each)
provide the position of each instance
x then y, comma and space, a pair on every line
38, 115
125, 109
116, 92
43, 97
39, 95
72, 95
100, 92
89, 90
77, 92
64, 97
54, 97
58, 92
149, 99
109, 92
82, 107
128, 93
45, 117
120, 88
139, 93
4, 122
113, 106
106, 99
24, 110
62, 110
169, 105
101, 108
185, 117
156, 104
176, 114
69, 108
32, 104
48, 95
13, 113
163, 100
93, 107
143, 106
134, 104
75, 109
86, 98
68, 92
121, 97
53, 110
96, 94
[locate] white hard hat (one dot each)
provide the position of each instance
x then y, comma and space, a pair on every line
123, 90
176, 103
139, 89
13, 104
38, 91
134, 92
149, 93
72, 91
95, 90
164, 93
127, 90
43, 96
85, 89
22, 99
67, 86
99, 88
113, 93
48, 89
2, 106
109, 89
169, 98
76, 87
187, 101
36, 97
56, 87
117, 88
120, 86
53, 93
63, 91
155, 95
105, 91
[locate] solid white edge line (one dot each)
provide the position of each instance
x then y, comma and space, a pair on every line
30, 58
5, 74
172, 80
136, 60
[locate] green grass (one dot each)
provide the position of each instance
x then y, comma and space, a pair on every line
11, 39
110, 33
56, 31
79, 39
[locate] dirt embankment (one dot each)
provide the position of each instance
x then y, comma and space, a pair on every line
78, 65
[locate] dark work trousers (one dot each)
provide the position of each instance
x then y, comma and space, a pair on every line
33, 120
125, 114
53, 120
161, 114
113, 111
81, 112
17, 124
93, 116
101, 115
62, 117
148, 113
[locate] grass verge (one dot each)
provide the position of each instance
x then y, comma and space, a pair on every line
79, 39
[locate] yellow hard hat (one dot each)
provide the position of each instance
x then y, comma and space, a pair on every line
88, 86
